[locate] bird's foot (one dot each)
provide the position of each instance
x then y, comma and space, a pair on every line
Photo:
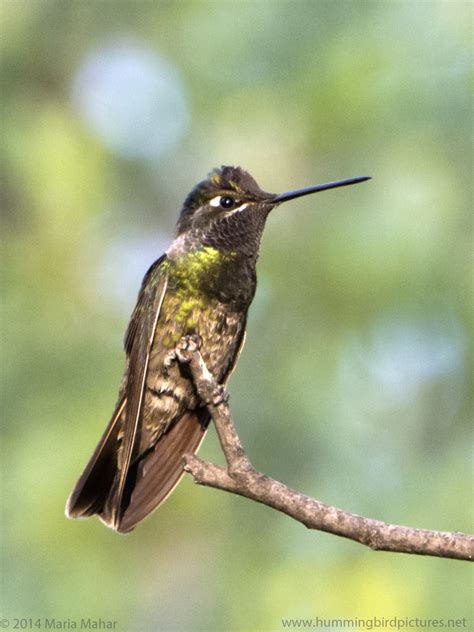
183, 351
211, 393
186, 346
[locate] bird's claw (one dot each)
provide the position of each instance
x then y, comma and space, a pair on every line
214, 394
191, 342
186, 346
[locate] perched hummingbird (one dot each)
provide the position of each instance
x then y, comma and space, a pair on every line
202, 285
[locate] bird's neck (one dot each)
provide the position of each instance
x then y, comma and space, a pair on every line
219, 261
239, 232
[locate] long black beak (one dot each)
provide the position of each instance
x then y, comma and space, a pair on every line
290, 195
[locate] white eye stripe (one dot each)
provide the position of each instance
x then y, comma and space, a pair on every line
216, 201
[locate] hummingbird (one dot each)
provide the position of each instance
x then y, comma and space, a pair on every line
203, 286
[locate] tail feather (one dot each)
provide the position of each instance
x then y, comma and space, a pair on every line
149, 481
156, 476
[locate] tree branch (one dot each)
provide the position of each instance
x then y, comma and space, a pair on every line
240, 477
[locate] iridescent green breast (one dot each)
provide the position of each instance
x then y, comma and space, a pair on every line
194, 284
198, 270
201, 275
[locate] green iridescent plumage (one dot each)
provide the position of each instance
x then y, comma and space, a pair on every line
202, 285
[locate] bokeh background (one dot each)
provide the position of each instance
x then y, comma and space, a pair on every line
354, 385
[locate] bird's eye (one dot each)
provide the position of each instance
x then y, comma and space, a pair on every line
227, 202
224, 201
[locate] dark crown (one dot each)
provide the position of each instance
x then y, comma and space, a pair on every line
224, 180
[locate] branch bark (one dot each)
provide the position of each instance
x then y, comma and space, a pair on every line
240, 477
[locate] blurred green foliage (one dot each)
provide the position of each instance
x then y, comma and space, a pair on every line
354, 386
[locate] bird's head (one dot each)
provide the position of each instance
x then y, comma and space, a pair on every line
230, 191
226, 191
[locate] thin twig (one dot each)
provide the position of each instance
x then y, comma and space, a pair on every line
241, 478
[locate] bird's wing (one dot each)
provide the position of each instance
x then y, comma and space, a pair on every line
138, 342
143, 303
155, 477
